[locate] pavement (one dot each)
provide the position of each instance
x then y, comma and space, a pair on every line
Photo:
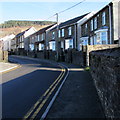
7, 66
78, 97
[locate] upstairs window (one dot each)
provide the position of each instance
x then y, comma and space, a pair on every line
86, 28
53, 35
95, 22
69, 31
103, 18
62, 32
38, 37
59, 34
42, 37
91, 25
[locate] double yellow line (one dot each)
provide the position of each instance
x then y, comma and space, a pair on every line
43, 99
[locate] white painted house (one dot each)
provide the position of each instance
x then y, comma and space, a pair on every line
6, 42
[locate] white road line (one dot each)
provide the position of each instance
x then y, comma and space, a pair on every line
8, 69
54, 97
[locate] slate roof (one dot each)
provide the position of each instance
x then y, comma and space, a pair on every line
44, 29
22, 33
71, 21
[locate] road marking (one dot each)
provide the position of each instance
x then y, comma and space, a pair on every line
75, 69
54, 97
52, 69
44, 101
10, 69
41, 98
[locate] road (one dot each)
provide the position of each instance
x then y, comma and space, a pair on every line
27, 91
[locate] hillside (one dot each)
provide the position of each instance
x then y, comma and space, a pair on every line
15, 23
16, 27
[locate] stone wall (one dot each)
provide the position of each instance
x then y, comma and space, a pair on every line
31, 54
90, 48
75, 57
52, 55
105, 70
40, 54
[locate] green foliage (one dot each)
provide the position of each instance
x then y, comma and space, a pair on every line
87, 68
15, 23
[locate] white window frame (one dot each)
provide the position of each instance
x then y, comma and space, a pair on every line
86, 28
63, 32
69, 30
38, 37
103, 18
59, 35
99, 32
22, 45
106, 35
53, 35
95, 23
62, 44
91, 24
92, 40
52, 45
95, 40
42, 36
68, 43
41, 46
31, 46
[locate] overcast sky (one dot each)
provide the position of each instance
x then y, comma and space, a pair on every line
39, 10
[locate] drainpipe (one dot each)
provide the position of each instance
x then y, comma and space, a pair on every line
110, 19
75, 36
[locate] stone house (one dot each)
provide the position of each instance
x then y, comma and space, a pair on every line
100, 28
51, 38
20, 37
67, 34
37, 41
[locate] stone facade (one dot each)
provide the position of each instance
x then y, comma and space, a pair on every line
40, 54
90, 48
105, 70
101, 22
76, 57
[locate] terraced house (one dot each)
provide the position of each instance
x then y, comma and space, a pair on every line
36, 43
102, 27
20, 37
68, 33
52, 38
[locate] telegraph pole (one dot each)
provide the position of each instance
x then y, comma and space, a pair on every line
57, 44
